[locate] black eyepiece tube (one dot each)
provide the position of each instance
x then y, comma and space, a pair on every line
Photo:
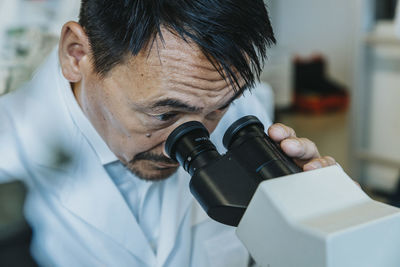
247, 142
189, 144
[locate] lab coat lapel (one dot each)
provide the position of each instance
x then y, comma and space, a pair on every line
176, 202
91, 195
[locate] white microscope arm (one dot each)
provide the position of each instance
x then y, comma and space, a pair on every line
319, 218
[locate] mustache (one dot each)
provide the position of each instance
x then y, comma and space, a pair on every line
152, 157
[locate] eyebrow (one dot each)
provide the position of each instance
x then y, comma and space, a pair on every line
175, 103
178, 104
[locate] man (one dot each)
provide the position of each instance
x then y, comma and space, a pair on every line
87, 133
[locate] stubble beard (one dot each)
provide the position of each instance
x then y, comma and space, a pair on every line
144, 166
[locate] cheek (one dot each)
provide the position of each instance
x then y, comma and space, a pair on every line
129, 146
128, 135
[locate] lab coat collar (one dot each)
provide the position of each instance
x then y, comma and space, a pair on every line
89, 192
93, 197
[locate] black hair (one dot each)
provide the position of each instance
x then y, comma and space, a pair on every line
232, 34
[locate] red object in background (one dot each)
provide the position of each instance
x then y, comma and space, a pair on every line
315, 92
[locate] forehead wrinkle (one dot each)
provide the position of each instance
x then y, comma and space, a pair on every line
187, 75
179, 56
185, 54
228, 94
215, 99
188, 82
188, 53
179, 47
191, 65
208, 79
202, 72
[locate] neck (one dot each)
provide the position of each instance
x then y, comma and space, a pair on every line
76, 89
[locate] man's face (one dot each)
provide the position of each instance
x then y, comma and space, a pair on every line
140, 102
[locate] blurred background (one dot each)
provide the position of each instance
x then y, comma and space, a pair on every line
335, 75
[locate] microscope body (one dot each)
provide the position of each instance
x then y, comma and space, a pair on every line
285, 217
319, 218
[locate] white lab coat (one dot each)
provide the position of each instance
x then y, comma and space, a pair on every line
78, 215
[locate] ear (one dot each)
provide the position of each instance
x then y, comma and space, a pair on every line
74, 52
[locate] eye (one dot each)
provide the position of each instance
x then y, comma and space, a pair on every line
166, 116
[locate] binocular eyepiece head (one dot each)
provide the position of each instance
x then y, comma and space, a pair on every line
224, 184
189, 144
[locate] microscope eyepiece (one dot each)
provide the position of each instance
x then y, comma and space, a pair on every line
189, 144
235, 130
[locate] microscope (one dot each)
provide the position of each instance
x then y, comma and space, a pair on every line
285, 217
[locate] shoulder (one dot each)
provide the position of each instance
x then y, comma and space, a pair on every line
34, 123
11, 167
